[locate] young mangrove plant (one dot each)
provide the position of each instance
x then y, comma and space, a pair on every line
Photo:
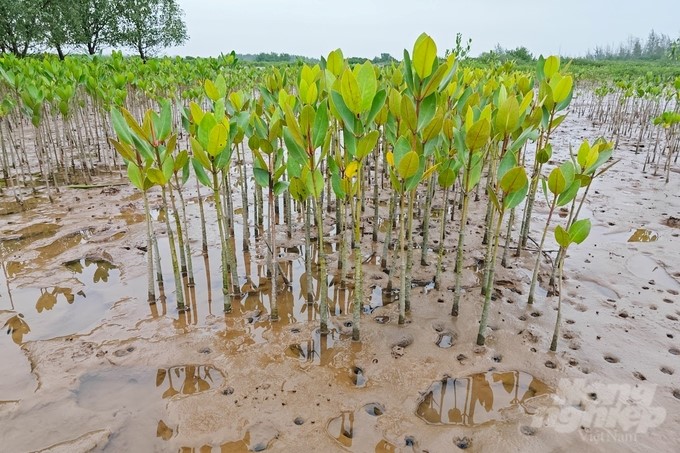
357, 104
210, 143
576, 234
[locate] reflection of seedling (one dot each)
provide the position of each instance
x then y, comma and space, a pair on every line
17, 327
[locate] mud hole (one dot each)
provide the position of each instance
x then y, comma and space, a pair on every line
89, 365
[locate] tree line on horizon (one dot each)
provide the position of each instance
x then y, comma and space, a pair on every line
63, 26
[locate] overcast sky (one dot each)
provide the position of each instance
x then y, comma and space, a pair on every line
368, 27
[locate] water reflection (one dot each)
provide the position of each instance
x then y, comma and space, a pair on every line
358, 430
17, 327
188, 379
317, 351
643, 235
478, 399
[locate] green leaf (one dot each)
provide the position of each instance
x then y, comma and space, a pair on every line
217, 140
135, 176
351, 94
446, 177
201, 175
376, 106
368, 85
320, 127
295, 151
346, 116
261, 176
428, 108
120, 127
168, 167
408, 72
199, 153
156, 176
164, 125
557, 183
514, 180
512, 200
507, 118
476, 166
569, 194
367, 143
211, 90
408, 166
424, 55
579, 230
562, 237
493, 198
563, 89
478, 134
280, 187
508, 161
400, 149
551, 66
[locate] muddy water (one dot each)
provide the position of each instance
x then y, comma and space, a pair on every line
357, 430
478, 399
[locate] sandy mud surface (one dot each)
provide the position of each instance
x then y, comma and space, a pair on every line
88, 365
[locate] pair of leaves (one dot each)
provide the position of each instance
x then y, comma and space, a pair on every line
578, 232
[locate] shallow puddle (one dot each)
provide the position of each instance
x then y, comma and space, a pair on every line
317, 351
140, 395
445, 340
73, 306
380, 298
357, 431
643, 235
478, 399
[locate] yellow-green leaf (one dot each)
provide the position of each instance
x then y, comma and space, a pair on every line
424, 54
408, 166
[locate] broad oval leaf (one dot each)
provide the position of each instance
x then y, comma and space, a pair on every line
580, 230
424, 55
514, 180
408, 166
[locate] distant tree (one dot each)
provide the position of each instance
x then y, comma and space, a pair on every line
384, 58
57, 19
148, 26
18, 30
95, 23
637, 48
520, 54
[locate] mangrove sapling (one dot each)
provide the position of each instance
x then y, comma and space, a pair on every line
448, 170
422, 115
210, 141
554, 95
513, 187
357, 114
589, 165
668, 120
182, 163
303, 138
138, 160
472, 139
576, 234
268, 173
563, 186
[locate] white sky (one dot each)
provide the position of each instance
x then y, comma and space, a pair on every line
368, 27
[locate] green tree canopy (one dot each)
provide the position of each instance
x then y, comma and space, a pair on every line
149, 25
